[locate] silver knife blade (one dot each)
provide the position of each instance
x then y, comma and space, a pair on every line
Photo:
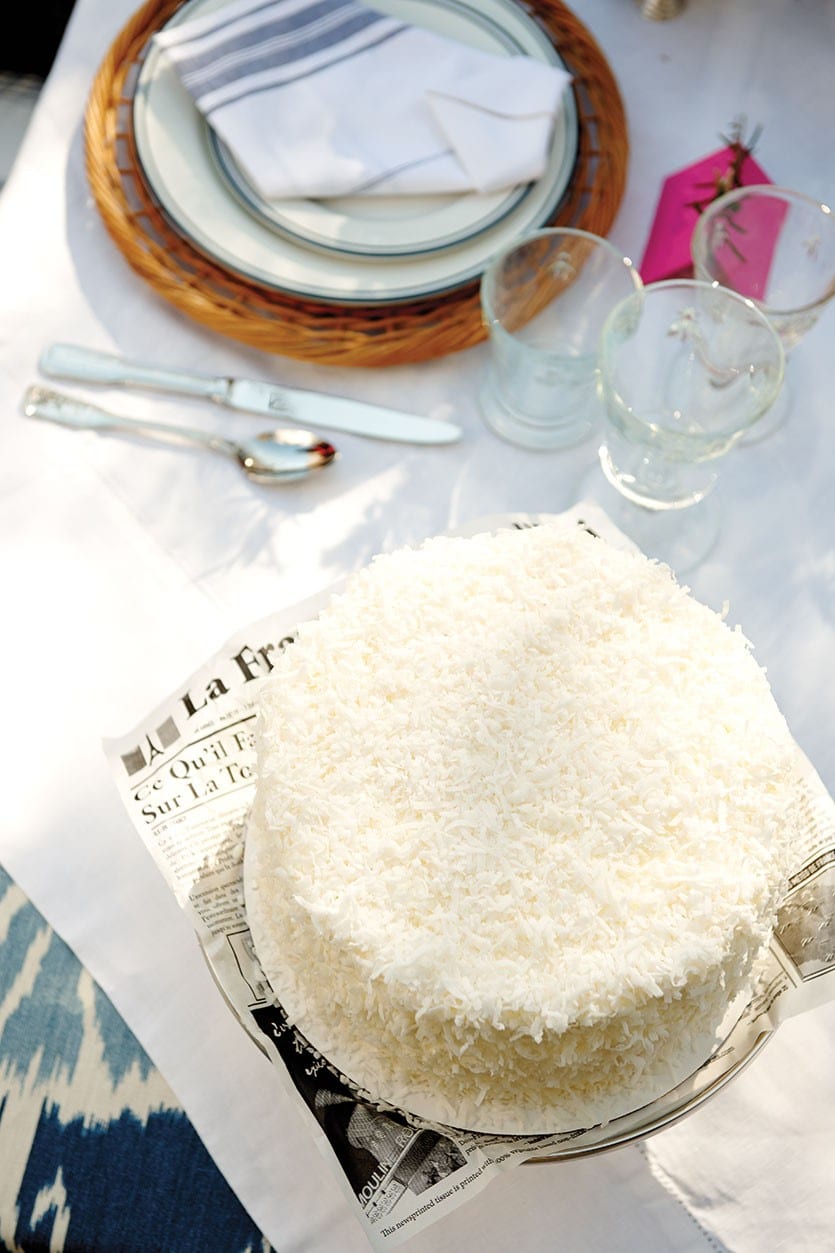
339, 413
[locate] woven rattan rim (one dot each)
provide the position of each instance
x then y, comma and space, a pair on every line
364, 335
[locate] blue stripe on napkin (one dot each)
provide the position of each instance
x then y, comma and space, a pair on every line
277, 44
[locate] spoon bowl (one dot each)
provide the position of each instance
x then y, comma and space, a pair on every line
268, 458
271, 453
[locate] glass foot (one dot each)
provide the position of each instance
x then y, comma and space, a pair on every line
681, 538
516, 428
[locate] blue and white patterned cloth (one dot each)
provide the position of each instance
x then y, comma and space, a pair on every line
95, 1151
331, 97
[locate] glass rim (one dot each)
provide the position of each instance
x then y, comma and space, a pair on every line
489, 315
776, 190
726, 293
762, 191
705, 285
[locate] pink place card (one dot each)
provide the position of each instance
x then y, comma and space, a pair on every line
667, 252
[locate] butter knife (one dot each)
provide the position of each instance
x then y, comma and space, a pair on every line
88, 365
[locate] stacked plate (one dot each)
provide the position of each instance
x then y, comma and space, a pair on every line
349, 250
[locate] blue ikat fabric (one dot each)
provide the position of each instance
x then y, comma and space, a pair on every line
96, 1154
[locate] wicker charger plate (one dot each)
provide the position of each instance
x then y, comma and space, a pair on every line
330, 334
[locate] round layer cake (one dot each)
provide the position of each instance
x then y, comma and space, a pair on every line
521, 824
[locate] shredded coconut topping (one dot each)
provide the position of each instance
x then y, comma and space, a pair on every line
521, 826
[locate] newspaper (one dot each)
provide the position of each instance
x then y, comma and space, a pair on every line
186, 776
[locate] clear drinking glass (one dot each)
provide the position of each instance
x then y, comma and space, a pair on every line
777, 247
685, 369
544, 299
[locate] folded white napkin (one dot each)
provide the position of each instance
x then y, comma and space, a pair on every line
329, 97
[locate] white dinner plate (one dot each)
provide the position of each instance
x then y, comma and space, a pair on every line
371, 226
402, 226
178, 161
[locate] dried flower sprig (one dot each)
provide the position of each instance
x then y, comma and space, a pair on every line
731, 177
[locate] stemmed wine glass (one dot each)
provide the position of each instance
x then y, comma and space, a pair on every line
777, 247
685, 368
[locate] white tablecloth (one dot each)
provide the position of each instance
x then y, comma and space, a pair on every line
125, 566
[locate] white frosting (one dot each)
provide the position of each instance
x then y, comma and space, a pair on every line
520, 829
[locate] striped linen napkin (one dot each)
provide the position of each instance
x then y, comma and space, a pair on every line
318, 98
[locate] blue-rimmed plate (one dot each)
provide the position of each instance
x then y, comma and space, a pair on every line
324, 250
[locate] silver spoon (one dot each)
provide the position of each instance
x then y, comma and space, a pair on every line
269, 458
